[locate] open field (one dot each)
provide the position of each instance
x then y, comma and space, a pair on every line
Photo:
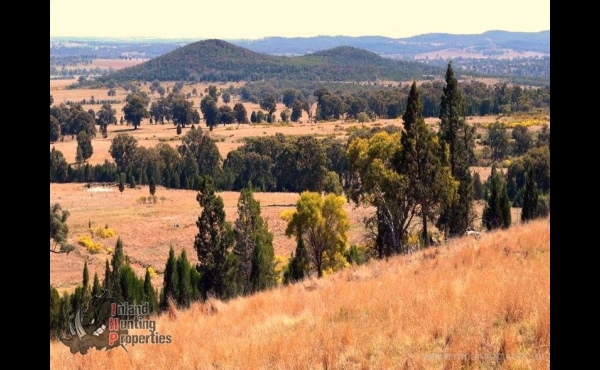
471, 303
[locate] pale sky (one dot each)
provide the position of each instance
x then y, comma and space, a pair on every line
254, 19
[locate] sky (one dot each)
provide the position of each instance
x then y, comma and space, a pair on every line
255, 19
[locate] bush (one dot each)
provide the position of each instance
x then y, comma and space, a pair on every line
105, 232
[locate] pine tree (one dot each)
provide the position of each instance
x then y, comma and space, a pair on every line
150, 293
96, 287
117, 262
170, 281
184, 298
253, 246
107, 283
530, 208
86, 276
496, 213
121, 183
430, 183
213, 241
457, 216
505, 204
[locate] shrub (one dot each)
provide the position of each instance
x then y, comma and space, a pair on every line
105, 232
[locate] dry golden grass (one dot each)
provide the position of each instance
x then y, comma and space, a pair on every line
472, 303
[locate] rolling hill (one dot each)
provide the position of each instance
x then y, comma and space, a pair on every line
218, 60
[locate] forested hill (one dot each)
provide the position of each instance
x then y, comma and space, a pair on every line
218, 60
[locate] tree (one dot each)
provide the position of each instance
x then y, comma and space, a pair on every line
121, 183
253, 246
51, 99
106, 116
170, 281
239, 111
59, 168
213, 242
182, 110
269, 103
323, 224
152, 186
296, 111
84, 146
253, 118
456, 216
226, 97
197, 144
523, 139
59, 229
135, 109
530, 208
376, 182
498, 140
429, 182
226, 115
54, 129
122, 150
496, 213
211, 112
184, 299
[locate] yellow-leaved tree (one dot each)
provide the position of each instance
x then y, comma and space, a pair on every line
323, 225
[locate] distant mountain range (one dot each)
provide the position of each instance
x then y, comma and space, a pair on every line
492, 44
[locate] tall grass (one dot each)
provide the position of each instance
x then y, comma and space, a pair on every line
471, 303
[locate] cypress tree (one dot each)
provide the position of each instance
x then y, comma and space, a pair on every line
505, 207
107, 283
213, 241
117, 262
459, 137
96, 287
86, 276
183, 274
530, 208
170, 281
150, 293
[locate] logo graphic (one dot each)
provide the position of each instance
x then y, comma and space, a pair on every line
107, 323
90, 325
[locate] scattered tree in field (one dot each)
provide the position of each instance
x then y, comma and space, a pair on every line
296, 111
84, 146
323, 224
530, 208
253, 118
58, 225
51, 99
239, 111
152, 186
104, 117
135, 109
226, 97
212, 115
269, 103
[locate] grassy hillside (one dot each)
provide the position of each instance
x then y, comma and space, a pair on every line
471, 303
